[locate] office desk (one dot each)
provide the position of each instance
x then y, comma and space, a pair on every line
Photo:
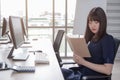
49, 71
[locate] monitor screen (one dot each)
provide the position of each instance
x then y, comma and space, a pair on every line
16, 31
17, 36
5, 29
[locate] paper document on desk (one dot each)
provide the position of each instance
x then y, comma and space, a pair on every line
41, 58
79, 46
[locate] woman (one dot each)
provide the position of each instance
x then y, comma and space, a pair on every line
101, 46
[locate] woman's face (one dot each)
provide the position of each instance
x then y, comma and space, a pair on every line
94, 26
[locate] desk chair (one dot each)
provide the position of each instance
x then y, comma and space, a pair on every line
56, 47
57, 43
108, 77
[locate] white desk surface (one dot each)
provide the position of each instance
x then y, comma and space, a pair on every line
49, 71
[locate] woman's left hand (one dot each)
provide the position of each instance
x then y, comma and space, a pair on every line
78, 59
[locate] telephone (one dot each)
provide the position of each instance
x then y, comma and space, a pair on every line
4, 66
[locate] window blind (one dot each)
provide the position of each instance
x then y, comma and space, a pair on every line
113, 17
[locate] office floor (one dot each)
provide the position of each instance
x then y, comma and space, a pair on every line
115, 73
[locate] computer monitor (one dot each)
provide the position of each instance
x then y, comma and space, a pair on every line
5, 27
17, 33
5, 30
23, 27
25, 32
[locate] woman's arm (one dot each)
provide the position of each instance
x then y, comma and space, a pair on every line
105, 68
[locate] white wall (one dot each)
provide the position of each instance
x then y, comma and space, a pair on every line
82, 9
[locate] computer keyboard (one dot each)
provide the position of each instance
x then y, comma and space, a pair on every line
23, 68
41, 57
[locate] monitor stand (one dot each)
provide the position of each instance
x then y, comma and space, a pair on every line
20, 54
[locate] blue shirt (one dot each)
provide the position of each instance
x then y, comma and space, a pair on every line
102, 51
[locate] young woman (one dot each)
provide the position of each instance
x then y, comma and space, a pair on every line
101, 46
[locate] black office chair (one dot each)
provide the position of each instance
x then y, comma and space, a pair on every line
57, 43
56, 47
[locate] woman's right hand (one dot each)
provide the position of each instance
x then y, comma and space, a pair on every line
78, 59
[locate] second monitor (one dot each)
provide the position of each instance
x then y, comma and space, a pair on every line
17, 36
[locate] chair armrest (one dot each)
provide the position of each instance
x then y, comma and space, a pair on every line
68, 63
95, 77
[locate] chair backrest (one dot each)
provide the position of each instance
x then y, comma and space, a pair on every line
58, 40
57, 44
117, 43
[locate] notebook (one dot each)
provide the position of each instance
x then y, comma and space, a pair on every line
79, 46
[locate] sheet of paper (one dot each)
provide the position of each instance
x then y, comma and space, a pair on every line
79, 46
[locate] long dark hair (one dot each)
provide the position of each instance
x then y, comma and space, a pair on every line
96, 14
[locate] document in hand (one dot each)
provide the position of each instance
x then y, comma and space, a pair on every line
79, 46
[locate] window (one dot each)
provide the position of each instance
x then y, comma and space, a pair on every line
12, 7
71, 12
39, 12
44, 17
